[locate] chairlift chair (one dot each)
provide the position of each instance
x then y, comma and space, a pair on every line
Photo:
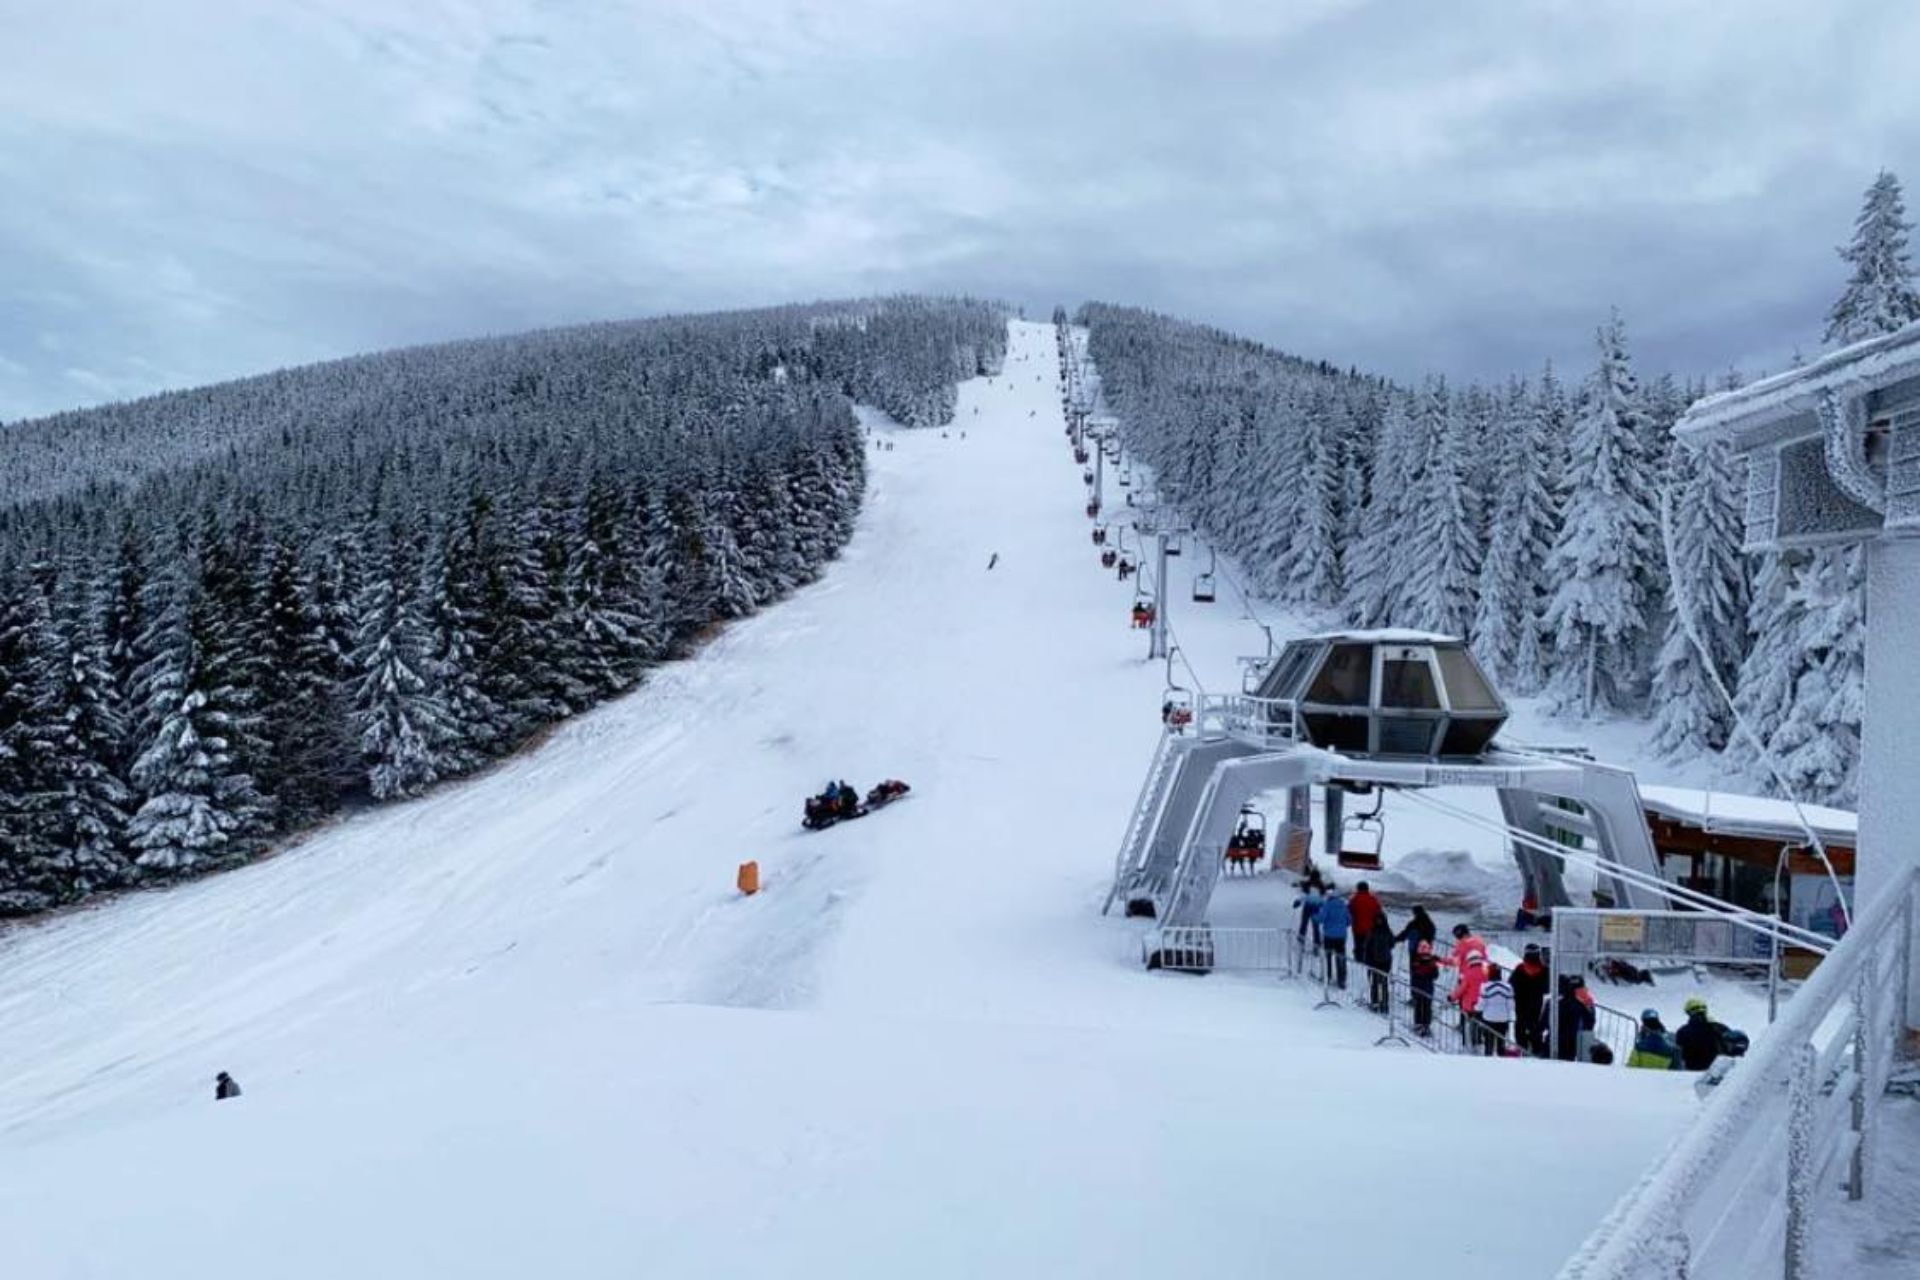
1109, 558
1247, 846
1086, 477
1176, 709
1142, 605
1173, 544
1099, 535
1080, 456
1093, 510
1361, 837
1203, 588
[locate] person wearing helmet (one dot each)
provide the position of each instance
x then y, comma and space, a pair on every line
1701, 1039
1653, 1048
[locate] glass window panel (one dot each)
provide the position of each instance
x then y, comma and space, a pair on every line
1337, 733
1407, 735
1468, 737
1467, 689
1347, 678
1408, 682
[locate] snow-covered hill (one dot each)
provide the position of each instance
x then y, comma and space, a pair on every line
526, 1027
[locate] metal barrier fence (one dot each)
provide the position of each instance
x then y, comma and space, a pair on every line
1387, 993
1734, 1195
1204, 949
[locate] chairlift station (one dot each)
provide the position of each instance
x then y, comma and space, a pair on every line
1351, 712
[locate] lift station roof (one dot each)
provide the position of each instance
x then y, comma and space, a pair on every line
1396, 694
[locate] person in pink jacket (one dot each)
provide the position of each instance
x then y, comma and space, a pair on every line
1466, 989
1465, 943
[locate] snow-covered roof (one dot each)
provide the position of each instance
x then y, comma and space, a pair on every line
1384, 635
1865, 366
1729, 813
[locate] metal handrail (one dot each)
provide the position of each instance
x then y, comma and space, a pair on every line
1734, 1195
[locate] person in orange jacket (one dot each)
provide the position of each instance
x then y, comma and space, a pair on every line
1466, 990
1465, 943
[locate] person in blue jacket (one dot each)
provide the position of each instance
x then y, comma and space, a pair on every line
1653, 1048
1309, 903
1335, 921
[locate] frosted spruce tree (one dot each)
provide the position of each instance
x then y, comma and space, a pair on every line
1598, 611
1880, 296
401, 719
197, 799
1817, 747
1710, 586
1314, 573
1438, 550
1506, 627
1375, 585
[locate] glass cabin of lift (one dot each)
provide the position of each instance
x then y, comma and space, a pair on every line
1392, 694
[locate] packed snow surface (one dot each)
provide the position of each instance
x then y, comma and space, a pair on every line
526, 1027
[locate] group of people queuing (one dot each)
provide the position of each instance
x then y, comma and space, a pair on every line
1504, 1012
1499, 1012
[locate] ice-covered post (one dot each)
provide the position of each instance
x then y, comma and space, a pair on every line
1890, 734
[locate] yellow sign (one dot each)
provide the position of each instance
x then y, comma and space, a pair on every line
1628, 931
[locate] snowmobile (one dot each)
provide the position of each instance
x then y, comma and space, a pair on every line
841, 803
838, 803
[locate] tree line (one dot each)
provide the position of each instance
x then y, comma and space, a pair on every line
1560, 529
225, 613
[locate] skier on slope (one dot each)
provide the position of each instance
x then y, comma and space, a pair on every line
224, 1087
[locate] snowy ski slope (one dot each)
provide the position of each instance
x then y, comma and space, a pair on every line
525, 1027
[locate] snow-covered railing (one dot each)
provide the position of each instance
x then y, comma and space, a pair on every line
1733, 1197
1262, 721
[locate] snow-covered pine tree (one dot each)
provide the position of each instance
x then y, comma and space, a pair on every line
1439, 549
1375, 584
30, 784
1818, 745
302, 698
1597, 614
402, 723
1776, 652
1880, 295
1314, 574
198, 804
1710, 583
92, 827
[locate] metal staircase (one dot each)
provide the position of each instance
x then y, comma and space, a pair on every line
1159, 842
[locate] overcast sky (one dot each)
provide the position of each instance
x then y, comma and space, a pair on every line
205, 188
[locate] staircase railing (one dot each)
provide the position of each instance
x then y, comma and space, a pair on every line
1152, 795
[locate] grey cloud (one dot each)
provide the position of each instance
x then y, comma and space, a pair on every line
217, 187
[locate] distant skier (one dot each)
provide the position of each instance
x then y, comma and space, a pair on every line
1495, 1010
1422, 972
993, 560
224, 1087
1420, 928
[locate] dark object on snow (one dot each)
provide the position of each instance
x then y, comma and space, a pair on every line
1610, 969
993, 560
1599, 1055
224, 1087
841, 803
885, 793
